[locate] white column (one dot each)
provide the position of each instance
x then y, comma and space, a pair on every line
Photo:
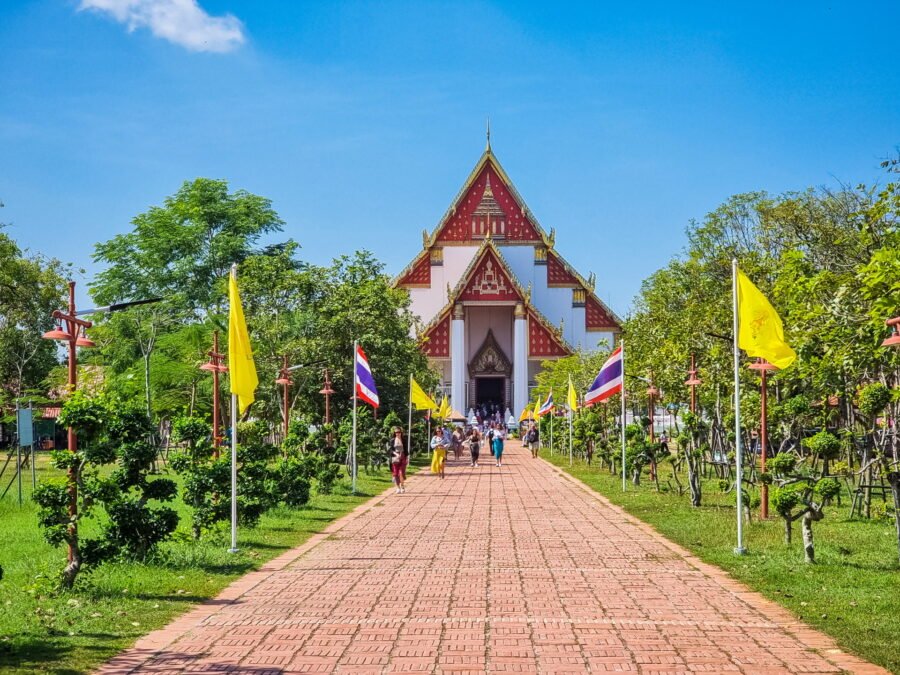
520, 361
458, 359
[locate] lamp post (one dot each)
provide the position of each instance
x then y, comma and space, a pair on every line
764, 367
893, 340
652, 393
693, 382
215, 365
71, 330
327, 391
284, 379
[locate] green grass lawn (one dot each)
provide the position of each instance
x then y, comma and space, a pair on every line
113, 605
852, 593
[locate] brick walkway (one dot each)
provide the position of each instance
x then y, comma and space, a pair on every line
519, 569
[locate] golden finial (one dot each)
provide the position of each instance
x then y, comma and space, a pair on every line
592, 280
449, 290
528, 293
425, 238
552, 237
488, 146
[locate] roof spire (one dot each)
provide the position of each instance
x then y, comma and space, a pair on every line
488, 147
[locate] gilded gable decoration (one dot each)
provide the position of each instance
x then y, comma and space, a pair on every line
490, 359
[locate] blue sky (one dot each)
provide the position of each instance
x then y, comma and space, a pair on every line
618, 122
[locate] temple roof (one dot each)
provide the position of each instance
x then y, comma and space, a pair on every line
488, 208
488, 253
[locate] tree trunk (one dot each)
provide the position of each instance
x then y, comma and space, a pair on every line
812, 514
788, 531
67, 580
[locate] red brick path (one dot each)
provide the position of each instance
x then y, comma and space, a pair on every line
519, 569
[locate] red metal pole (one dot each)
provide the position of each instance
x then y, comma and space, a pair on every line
72, 490
764, 441
217, 438
693, 387
286, 385
327, 398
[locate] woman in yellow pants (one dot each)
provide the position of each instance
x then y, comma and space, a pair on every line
439, 452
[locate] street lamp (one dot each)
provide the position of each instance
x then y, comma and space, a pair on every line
894, 339
693, 382
764, 367
652, 393
74, 337
284, 379
327, 391
215, 365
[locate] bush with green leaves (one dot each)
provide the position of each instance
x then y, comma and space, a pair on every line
135, 523
800, 497
207, 478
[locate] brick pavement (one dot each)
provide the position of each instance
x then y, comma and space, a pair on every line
520, 569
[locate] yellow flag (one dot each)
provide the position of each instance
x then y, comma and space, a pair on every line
572, 397
419, 398
241, 368
444, 410
537, 410
526, 414
760, 331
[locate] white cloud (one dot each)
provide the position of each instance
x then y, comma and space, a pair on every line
183, 22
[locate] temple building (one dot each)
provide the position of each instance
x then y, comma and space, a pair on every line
495, 296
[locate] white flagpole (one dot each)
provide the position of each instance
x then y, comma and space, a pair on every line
551, 431
622, 424
353, 441
409, 422
234, 405
739, 549
571, 415
234, 418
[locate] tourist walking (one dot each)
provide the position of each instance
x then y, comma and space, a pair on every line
533, 436
456, 441
474, 440
438, 452
497, 445
399, 459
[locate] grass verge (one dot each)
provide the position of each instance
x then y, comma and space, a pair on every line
852, 593
115, 604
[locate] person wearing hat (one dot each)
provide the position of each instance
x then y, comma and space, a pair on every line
399, 459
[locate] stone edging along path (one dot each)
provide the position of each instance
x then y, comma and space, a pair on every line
815, 639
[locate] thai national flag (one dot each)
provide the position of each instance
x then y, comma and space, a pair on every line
365, 383
546, 406
609, 379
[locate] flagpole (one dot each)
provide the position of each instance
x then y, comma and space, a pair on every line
551, 430
739, 549
234, 406
409, 422
571, 414
622, 424
353, 441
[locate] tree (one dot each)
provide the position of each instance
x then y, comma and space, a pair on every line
31, 287
130, 526
180, 252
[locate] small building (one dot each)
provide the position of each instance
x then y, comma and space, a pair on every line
496, 297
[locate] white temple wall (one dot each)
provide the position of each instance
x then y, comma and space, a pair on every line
480, 319
427, 302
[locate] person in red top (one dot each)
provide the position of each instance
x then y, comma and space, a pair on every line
399, 459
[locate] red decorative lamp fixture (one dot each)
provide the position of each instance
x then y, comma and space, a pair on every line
893, 340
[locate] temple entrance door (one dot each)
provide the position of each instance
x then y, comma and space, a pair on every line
490, 391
